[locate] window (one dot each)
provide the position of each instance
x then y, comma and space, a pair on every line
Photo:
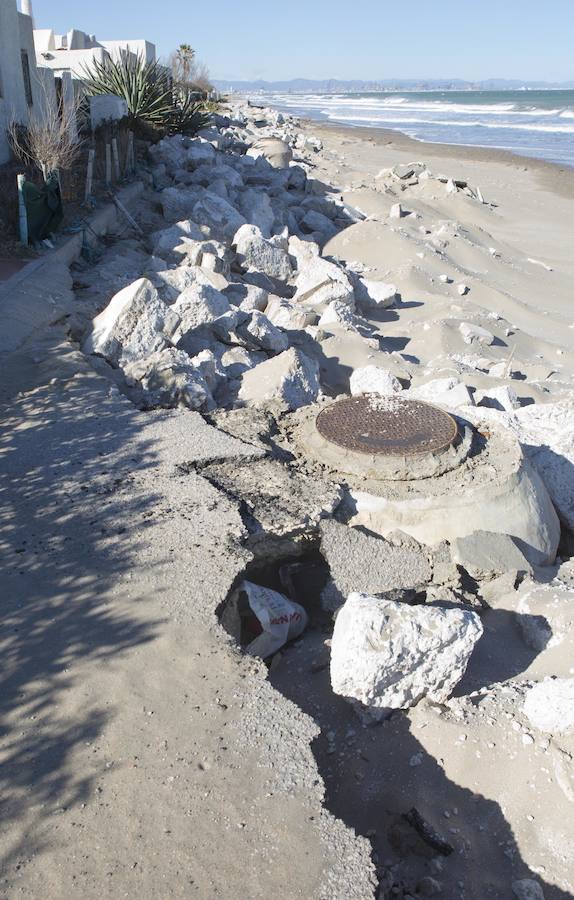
27, 80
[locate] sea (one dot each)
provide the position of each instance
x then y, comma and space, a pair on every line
531, 123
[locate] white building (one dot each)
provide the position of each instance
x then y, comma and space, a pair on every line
38, 67
26, 89
75, 51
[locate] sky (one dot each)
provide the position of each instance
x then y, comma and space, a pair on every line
364, 39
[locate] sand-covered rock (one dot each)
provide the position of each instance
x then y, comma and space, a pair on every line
290, 378
321, 282
389, 655
376, 294
448, 392
373, 380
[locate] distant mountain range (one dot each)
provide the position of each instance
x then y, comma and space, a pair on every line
333, 85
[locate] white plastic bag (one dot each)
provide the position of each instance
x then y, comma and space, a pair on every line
281, 619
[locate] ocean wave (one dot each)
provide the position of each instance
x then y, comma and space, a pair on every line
454, 123
417, 105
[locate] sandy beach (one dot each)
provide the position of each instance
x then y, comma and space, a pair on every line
292, 265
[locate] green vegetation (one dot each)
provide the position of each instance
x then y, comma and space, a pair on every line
147, 87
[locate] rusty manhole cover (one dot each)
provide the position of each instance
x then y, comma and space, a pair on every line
387, 426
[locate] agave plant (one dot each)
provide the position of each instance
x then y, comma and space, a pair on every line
148, 92
188, 116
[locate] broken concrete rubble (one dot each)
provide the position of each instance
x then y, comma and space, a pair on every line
255, 252
169, 378
549, 705
373, 379
282, 507
486, 554
370, 565
259, 332
389, 655
291, 379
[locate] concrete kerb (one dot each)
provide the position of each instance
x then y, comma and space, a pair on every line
40, 293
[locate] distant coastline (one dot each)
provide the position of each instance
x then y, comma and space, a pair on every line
334, 85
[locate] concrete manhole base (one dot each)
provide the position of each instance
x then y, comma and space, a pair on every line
384, 438
479, 482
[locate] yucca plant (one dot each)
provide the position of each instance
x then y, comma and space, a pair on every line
145, 86
152, 100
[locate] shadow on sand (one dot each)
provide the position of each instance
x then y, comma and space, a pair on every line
64, 509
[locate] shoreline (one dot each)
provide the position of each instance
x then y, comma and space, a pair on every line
468, 153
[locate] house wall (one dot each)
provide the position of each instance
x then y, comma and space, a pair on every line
42, 82
73, 61
144, 49
12, 96
16, 34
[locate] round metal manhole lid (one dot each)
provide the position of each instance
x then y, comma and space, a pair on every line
387, 426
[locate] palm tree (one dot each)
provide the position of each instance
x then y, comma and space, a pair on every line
184, 55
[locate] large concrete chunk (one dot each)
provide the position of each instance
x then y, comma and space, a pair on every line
547, 436
256, 207
134, 324
549, 706
291, 379
257, 254
201, 153
220, 216
485, 554
199, 304
373, 380
545, 619
288, 315
178, 204
371, 565
387, 655
166, 240
259, 332
320, 282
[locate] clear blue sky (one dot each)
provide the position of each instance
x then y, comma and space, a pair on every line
366, 39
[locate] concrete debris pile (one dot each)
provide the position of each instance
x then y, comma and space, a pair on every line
255, 302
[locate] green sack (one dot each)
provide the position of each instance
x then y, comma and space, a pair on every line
43, 208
